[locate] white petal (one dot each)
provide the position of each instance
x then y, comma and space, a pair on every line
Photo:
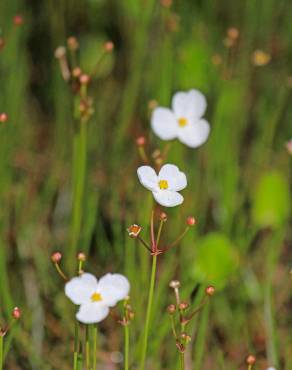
113, 288
91, 313
164, 123
168, 198
176, 179
195, 134
189, 105
80, 288
148, 178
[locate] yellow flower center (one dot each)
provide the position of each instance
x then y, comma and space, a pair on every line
96, 297
182, 122
163, 184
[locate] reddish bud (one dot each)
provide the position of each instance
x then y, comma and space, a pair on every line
210, 290
108, 46
183, 306
166, 3
250, 360
81, 256
16, 313
163, 216
174, 284
3, 117
18, 20
2, 43
134, 230
171, 309
84, 79
141, 140
56, 257
76, 72
186, 337
72, 43
191, 221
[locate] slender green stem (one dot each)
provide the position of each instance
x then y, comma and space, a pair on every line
76, 345
1, 351
87, 348
159, 232
94, 360
127, 341
148, 313
182, 360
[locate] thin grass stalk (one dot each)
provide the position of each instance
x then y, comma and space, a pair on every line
127, 343
94, 349
1, 351
148, 313
76, 346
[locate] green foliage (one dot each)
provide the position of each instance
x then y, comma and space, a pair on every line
215, 260
271, 200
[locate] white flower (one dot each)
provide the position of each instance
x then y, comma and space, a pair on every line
165, 185
95, 297
184, 121
271, 368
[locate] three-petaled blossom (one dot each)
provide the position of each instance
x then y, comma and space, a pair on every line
96, 297
165, 185
184, 121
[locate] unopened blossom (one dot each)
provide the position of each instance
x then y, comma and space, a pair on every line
95, 297
164, 186
184, 121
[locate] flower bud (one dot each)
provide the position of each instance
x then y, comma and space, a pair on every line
166, 3
163, 216
183, 306
76, 72
174, 284
191, 221
72, 43
152, 104
141, 140
134, 230
18, 20
186, 337
2, 43
60, 52
84, 79
81, 256
16, 313
171, 309
233, 33
3, 117
108, 46
250, 360
56, 257
210, 290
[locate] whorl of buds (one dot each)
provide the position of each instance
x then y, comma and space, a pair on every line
81, 256
134, 230
56, 257
18, 20
163, 216
3, 117
174, 284
210, 290
250, 360
60, 52
72, 43
183, 306
171, 309
191, 221
16, 313
108, 46
84, 79
141, 141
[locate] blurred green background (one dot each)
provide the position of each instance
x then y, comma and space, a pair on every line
239, 55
